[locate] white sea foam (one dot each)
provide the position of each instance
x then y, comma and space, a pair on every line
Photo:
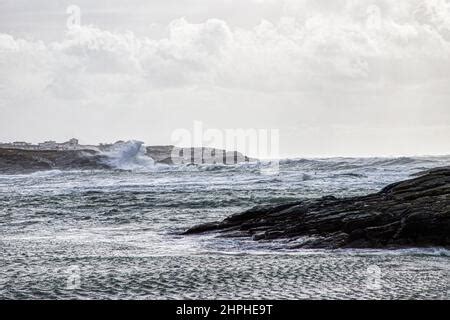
130, 155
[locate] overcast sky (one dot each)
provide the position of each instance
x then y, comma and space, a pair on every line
337, 78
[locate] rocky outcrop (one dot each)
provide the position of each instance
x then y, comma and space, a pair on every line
14, 161
174, 155
161, 154
24, 161
412, 213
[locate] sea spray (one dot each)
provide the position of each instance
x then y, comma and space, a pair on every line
129, 155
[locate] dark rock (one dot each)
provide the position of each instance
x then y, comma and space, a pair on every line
161, 154
24, 161
13, 161
414, 212
201, 155
203, 227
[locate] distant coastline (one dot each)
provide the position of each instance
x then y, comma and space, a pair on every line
23, 157
71, 144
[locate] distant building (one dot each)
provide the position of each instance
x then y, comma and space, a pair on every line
72, 144
73, 141
20, 144
17, 145
48, 145
5, 145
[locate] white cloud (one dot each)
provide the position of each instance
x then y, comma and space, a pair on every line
290, 54
347, 51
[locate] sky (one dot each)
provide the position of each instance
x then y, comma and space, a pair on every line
335, 77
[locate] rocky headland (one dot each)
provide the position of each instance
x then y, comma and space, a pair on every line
411, 213
14, 161
174, 155
25, 160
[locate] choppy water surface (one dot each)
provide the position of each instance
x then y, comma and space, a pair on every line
114, 234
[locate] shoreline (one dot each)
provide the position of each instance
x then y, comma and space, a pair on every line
405, 214
22, 161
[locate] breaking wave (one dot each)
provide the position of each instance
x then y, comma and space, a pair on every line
130, 155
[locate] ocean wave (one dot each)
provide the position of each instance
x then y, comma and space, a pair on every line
130, 155
431, 251
370, 163
36, 174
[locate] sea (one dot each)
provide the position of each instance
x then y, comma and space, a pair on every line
116, 234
